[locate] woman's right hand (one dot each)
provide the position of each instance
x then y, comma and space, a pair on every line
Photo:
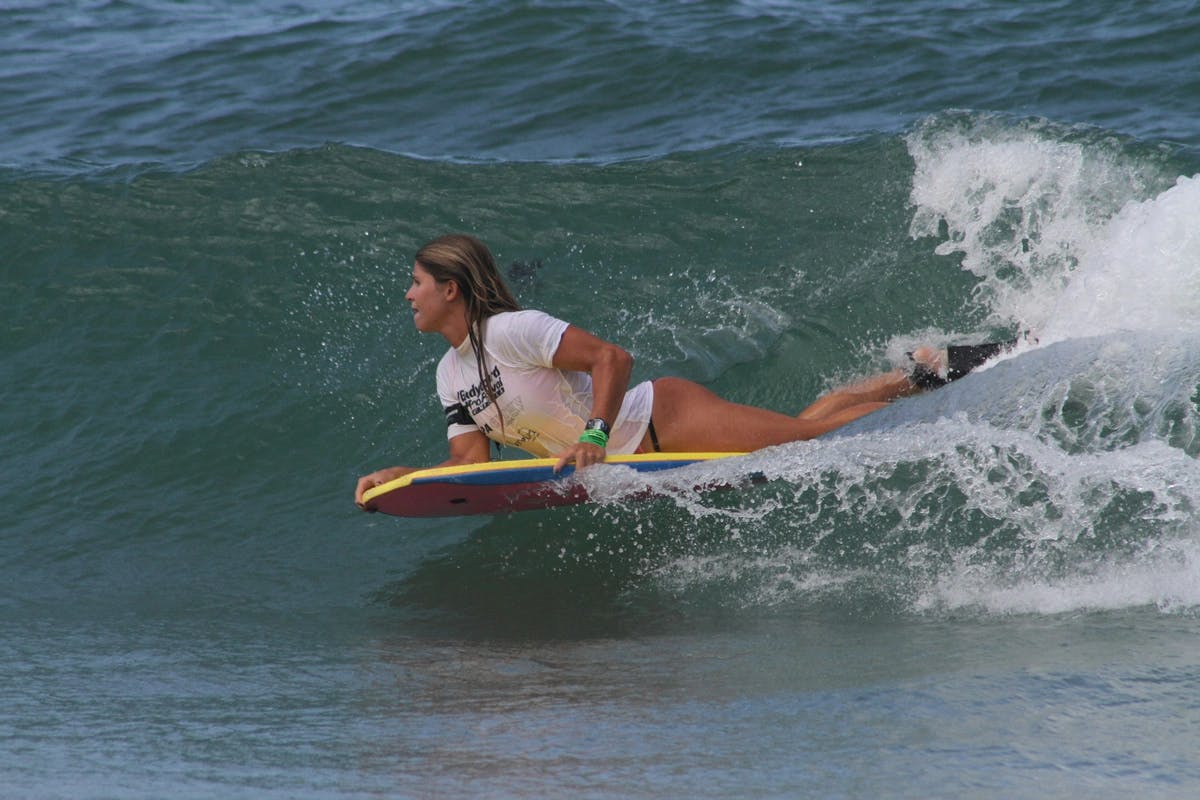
466, 448
377, 478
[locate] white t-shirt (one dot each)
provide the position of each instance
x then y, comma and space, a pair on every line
544, 408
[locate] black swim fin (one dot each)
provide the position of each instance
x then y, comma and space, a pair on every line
960, 360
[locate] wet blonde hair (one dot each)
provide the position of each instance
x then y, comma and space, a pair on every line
467, 261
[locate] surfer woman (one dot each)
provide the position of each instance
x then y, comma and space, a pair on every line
535, 382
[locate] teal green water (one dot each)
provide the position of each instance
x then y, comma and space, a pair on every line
206, 223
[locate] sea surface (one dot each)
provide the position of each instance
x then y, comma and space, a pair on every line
208, 212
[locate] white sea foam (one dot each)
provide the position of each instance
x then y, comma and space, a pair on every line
1064, 480
1068, 236
1140, 272
1167, 578
945, 515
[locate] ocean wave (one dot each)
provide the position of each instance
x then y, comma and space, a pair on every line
190, 331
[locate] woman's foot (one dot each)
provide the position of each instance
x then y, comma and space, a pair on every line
931, 361
933, 368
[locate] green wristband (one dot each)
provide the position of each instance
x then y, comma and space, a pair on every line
592, 436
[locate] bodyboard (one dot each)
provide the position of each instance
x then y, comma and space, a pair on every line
502, 486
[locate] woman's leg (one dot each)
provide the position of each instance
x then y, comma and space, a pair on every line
879, 389
688, 416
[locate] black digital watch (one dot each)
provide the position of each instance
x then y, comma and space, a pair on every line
597, 424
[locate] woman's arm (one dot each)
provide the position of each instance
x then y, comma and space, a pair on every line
610, 367
467, 448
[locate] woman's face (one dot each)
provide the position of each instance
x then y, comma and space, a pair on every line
430, 300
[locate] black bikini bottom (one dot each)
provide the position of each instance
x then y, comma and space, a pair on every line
653, 437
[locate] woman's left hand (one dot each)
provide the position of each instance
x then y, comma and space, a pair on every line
582, 454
